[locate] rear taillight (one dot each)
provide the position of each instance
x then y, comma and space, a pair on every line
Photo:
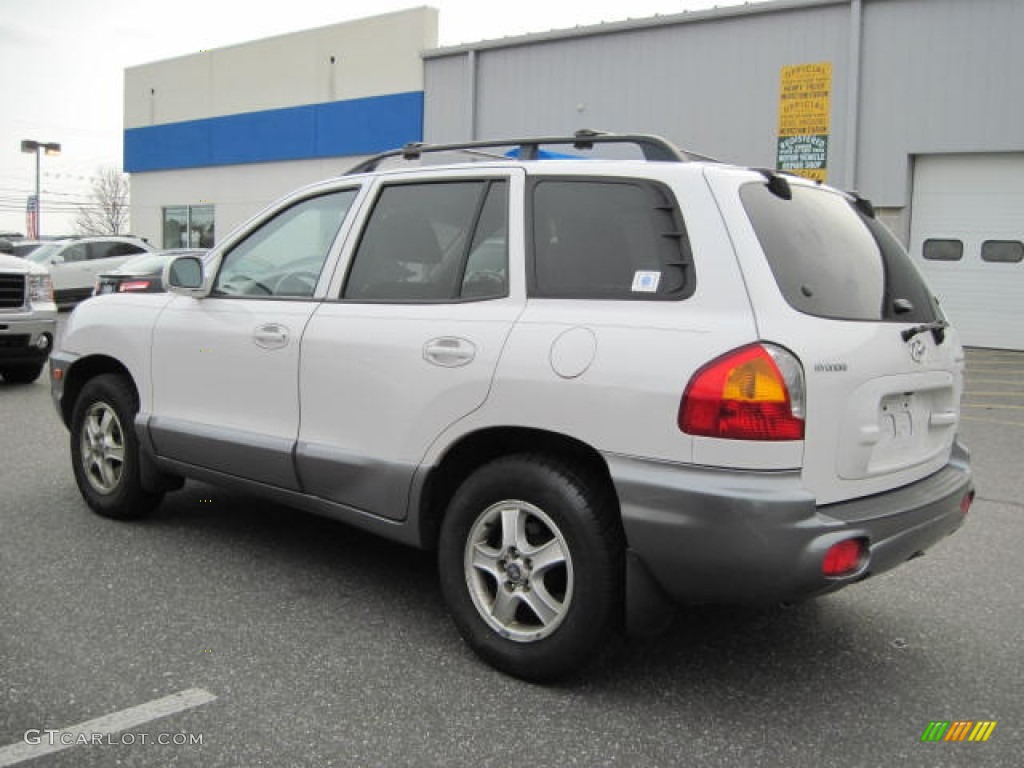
133, 285
752, 393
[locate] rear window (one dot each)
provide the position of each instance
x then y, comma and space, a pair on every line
830, 260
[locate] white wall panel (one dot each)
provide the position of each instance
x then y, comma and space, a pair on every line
374, 56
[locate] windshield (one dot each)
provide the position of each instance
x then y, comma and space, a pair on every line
830, 260
150, 262
44, 253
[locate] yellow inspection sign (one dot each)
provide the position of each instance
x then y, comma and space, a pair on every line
805, 102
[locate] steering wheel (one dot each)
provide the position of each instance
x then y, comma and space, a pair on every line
296, 284
484, 282
243, 284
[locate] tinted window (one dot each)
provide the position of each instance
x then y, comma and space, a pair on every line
110, 250
1006, 251
284, 256
100, 250
829, 260
599, 239
72, 253
433, 242
942, 250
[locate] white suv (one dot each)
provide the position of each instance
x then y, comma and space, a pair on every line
596, 387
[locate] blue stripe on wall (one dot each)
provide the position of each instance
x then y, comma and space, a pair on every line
339, 128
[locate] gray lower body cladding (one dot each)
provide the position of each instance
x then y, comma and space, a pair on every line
715, 536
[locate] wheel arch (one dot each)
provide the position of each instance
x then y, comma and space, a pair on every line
81, 372
476, 449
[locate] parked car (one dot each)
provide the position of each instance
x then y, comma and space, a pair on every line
597, 388
28, 319
141, 274
75, 264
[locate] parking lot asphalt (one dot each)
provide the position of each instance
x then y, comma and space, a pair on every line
313, 644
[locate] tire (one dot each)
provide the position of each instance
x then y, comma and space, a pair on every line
105, 449
24, 373
531, 564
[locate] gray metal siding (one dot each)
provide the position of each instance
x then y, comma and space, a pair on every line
446, 107
938, 76
711, 86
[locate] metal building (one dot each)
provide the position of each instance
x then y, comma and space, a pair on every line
918, 104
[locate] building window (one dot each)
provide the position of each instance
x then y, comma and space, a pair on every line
943, 250
188, 226
1005, 251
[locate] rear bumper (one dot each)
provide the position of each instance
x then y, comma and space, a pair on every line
704, 535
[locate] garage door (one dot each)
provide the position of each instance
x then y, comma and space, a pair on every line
967, 234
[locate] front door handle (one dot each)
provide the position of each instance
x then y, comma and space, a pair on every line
449, 351
271, 336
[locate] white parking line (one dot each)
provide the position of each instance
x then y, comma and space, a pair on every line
54, 740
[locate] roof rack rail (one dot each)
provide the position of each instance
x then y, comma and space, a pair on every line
654, 148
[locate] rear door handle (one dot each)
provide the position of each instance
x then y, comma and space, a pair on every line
449, 351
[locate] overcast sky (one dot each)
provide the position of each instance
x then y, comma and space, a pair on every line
63, 62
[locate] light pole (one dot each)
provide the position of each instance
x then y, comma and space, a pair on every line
32, 147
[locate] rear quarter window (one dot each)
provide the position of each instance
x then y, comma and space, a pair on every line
830, 260
608, 239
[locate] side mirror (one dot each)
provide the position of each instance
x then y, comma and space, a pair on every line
184, 276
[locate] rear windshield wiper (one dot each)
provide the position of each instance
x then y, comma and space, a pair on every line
938, 329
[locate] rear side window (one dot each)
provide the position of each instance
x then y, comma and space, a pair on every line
608, 239
110, 250
829, 260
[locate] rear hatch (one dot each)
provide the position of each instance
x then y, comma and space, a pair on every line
831, 283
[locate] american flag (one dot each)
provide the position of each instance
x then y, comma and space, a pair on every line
32, 217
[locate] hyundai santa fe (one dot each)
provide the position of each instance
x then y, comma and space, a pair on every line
596, 388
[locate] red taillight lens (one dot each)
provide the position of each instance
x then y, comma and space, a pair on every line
844, 558
965, 502
133, 285
752, 393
